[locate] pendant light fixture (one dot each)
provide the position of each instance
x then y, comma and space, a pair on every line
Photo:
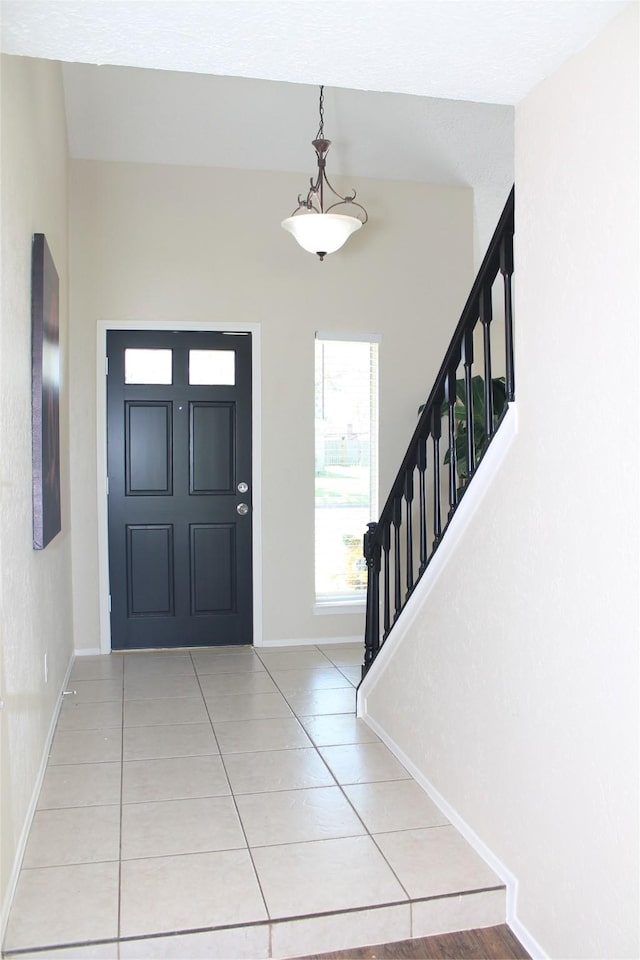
318, 228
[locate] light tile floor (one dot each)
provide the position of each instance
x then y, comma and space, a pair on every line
227, 803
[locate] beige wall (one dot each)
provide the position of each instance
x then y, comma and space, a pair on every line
35, 592
516, 691
165, 243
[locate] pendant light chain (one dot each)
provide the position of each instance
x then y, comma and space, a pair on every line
320, 133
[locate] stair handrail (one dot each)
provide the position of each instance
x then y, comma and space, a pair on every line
387, 536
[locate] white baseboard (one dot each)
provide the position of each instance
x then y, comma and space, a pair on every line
302, 642
531, 945
312, 642
510, 881
26, 827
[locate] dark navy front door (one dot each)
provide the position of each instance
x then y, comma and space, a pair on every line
179, 467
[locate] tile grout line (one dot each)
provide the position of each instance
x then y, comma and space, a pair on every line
124, 663
235, 805
368, 832
346, 797
53, 946
325, 764
315, 746
317, 749
150, 937
343, 793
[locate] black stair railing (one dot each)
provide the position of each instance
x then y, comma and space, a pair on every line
442, 458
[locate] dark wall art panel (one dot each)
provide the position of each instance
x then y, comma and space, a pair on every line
45, 385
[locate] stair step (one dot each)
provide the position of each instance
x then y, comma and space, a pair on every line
297, 936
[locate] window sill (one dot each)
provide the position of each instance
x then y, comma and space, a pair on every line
339, 607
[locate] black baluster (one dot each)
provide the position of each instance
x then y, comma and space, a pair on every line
436, 432
389, 539
386, 547
422, 493
506, 269
450, 388
467, 359
408, 496
372, 618
486, 316
397, 580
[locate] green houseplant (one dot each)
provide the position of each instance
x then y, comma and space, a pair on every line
499, 392
480, 439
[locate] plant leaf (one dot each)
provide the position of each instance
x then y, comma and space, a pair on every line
477, 392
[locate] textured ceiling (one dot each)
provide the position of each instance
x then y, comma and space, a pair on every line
491, 51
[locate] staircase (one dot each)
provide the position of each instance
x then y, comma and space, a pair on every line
456, 425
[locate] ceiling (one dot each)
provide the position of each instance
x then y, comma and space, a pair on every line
490, 51
418, 90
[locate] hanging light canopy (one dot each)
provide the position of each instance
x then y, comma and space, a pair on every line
318, 228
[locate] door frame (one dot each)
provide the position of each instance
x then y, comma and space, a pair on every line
101, 437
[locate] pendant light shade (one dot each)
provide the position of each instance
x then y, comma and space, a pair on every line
318, 228
321, 233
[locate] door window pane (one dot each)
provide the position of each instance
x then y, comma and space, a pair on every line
346, 472
147, 366
212, 367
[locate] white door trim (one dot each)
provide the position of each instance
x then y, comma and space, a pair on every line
101, 435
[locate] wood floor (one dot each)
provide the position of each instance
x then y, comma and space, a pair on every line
491, 943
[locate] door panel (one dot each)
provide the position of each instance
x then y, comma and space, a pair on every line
148, 449
179, 550
150, 583
212, 448
212, 567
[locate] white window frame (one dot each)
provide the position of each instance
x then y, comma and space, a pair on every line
326, 605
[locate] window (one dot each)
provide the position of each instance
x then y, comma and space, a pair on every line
346, 458
212, 367
147, 366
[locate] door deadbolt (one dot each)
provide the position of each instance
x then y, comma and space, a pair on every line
242, 509
243, 487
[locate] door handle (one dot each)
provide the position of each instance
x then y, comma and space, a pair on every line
242, 509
